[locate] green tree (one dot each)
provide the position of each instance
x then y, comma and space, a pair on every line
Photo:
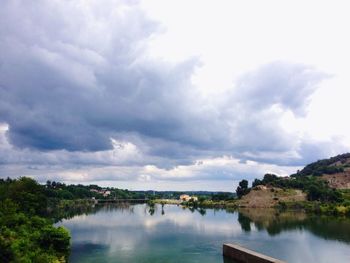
256, 182
28, 195
242, 188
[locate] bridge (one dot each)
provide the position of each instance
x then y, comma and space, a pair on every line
115, 200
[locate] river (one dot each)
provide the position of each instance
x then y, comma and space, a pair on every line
139, 233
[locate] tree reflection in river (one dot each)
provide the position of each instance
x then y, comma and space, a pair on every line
275, 222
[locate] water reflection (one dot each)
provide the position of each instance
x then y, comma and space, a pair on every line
244, 221
169, 233
202, 211
151, 210
275, 222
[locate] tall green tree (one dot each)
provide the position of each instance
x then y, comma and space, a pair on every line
242, 188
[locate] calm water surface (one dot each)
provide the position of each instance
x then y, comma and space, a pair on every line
138, 233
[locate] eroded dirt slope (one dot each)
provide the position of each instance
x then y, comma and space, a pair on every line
262, 196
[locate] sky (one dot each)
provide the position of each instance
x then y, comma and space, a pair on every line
171, 95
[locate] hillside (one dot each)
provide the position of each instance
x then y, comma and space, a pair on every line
338, 180
335, 170
325, 181
267, 196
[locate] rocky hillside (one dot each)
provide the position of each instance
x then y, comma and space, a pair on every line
335, 170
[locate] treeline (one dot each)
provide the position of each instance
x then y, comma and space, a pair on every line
27, 233
61, 191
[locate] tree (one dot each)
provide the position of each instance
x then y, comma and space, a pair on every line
48, 183
29, 195
269, 178
256, 182
243, 184
242, 188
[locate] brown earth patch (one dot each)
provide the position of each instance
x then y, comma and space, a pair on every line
262, 196
338, 180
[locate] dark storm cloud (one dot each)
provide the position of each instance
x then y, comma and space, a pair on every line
70, 90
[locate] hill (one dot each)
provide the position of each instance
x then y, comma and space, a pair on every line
335, 170
325, 181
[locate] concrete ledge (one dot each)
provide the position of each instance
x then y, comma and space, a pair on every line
244, 255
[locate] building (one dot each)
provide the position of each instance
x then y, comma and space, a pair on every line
103, 192
106, 193
184, 197
187, 198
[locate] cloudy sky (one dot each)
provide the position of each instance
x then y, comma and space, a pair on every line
181, 95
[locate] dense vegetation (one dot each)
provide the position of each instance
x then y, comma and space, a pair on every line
26, 231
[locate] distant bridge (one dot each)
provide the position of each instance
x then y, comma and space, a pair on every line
121, 200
